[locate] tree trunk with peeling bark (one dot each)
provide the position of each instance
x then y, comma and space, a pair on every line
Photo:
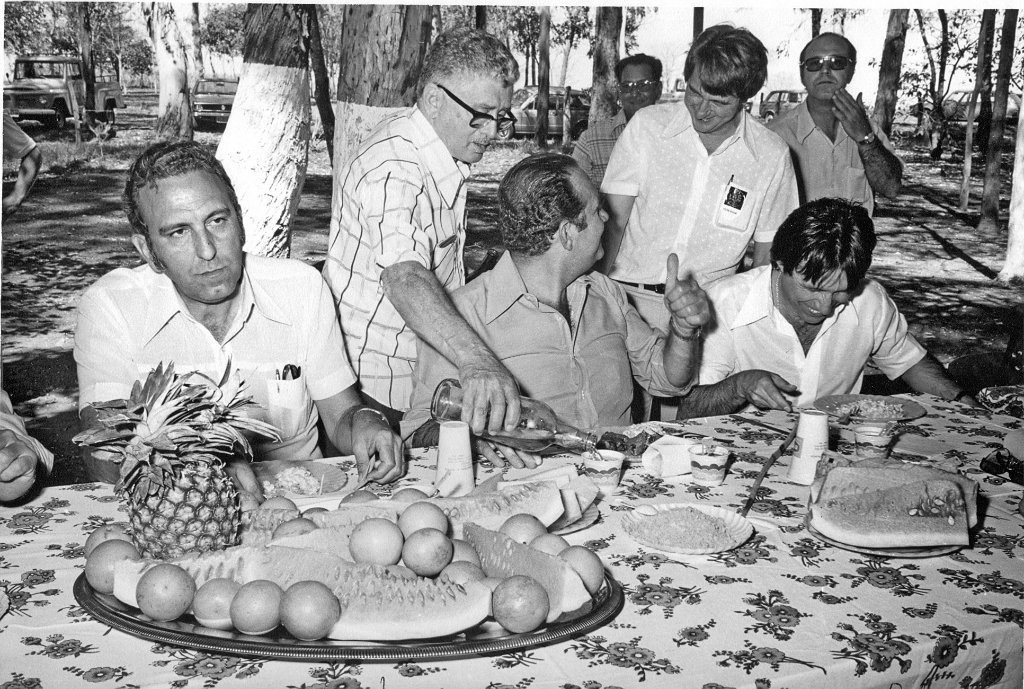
891, 67
990, 191
604, 99
1013, 268
382, 51
265, 145
321, 79
170, 29
544, 77
983, 77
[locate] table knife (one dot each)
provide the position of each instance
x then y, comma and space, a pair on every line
768, 465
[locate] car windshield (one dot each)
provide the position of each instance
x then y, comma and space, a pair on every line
223, 87
520, 96
39, 70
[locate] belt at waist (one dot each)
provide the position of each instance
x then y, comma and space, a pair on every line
659, 289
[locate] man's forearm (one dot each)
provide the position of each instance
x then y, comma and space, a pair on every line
882, 168
425, 306
681, 355
619, 207
929, 376
711, 400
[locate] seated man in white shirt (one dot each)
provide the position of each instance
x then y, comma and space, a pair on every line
203, 303
804, 326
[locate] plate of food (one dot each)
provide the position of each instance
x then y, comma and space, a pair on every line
299, 479
870, 408
688, 529
919, 552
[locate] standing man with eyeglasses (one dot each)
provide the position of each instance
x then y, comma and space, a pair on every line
838, 150
639, 78
398, 228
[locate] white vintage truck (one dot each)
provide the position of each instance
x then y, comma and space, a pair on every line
39, 90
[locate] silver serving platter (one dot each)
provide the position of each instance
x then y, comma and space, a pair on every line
485, 639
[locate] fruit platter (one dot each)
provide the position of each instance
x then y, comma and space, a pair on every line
383, 580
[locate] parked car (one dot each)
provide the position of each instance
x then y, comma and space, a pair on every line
779, 103
524, 109
212, 100
957, 103
39, 90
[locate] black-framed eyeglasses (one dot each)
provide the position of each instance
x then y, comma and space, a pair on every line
835, 62
482, 119
635, 86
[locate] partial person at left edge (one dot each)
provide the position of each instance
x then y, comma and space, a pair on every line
19, 145
22, 457
202, 302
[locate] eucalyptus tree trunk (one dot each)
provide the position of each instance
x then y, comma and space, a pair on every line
321, 79
544, 81
382, 51
990, 192
815, 23
983, 76
1013, 268
265, 145
607, 28
890, 69
81, 11
170, 29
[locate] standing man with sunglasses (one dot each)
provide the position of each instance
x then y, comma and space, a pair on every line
398, 228
838, 150
639, 78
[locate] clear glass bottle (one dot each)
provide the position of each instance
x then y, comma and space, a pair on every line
539, 429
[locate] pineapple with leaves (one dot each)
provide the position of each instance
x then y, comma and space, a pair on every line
171, 439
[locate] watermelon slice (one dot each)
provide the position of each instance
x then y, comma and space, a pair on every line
501, 557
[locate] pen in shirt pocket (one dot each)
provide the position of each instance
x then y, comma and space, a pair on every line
290, 372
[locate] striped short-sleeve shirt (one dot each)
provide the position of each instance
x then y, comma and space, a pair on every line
401, 197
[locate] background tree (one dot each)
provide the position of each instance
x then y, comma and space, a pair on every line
81, 12
990, 191
170, 29
815, 23
983, 77
27, 27
265, 145
544, 77
569, 32
890, 68
382, 50
607, 28
1013, 267
221, 32
321, 79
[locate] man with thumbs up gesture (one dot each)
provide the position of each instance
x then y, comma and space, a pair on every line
838, 151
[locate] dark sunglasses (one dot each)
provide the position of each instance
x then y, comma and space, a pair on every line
835, 62
482, 119
634, 86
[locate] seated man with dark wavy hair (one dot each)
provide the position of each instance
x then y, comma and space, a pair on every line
567, 334
804, 326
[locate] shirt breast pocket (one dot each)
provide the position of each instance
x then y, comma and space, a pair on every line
288, 406
734, 207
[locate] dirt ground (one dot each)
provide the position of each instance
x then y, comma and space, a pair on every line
71, 231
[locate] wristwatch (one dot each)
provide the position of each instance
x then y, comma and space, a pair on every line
869, 139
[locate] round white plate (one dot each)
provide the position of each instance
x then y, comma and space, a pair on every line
738, 528
830, 405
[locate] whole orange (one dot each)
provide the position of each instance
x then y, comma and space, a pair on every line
523, 528
422, 515
212, 603
520, 604
117, 531
587, 564
376, 541
165, 592
256, 607
99, 566
309, 610
427, 552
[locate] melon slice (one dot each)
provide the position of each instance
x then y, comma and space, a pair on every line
501, 557
377, 606
539, 498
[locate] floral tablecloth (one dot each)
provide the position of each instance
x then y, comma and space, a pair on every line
783, 610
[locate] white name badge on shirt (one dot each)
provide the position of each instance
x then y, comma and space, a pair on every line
731, 213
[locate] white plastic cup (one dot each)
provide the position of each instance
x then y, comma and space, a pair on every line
454, 476
604, 467
708, 463
809, 446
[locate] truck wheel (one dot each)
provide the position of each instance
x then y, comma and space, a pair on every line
769, 116
507, 136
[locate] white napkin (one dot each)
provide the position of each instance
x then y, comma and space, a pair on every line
668, 456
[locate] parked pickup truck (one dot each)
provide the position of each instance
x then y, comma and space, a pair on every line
39, 90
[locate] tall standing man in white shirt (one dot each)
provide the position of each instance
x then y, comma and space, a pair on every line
839, 151
700, 179
398, 228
